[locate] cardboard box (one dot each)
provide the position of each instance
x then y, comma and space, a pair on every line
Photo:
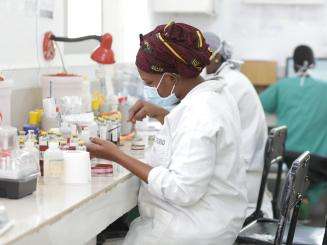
260, 73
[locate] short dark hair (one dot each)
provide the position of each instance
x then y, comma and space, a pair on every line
301, 54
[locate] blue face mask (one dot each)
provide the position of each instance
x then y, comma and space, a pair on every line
151, 95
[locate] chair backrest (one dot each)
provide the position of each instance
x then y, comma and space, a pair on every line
274, 153
291, 197
325, 236
275, 147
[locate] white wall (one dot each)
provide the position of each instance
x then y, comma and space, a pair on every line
263, 31
268, 32
22, 32
21, 57
125, 20
256, 31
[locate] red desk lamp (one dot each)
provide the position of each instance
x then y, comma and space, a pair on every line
103, 54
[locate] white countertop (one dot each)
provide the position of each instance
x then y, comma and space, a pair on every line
53, 201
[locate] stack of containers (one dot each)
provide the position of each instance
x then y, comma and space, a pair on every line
19, 169
58, 86
5, 105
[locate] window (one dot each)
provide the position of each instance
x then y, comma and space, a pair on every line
83, 17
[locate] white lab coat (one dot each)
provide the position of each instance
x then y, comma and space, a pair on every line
254, 132
196, 189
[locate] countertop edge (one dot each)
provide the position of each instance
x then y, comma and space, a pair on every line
57, 217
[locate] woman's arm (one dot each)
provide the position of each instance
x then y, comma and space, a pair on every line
106, 150
137, 167
141, 109
183, 184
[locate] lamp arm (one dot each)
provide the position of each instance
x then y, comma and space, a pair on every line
103, 54
73, 40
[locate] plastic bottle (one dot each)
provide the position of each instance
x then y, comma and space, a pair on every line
85, 135
126, 127
31, 148
31, 136
96, 107
33, 118
53, 162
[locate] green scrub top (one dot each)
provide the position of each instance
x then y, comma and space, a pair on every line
302, 107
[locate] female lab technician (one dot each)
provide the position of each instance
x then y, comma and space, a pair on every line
193, 181
253, 123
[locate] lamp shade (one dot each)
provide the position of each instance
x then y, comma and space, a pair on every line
104, 54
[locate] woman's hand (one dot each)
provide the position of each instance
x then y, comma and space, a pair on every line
109, 151
141, 109
103, 149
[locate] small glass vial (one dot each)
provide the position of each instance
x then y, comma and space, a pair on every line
81, 146
21, 139
103, 130
114, 132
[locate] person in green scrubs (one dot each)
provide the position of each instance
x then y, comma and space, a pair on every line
300, 103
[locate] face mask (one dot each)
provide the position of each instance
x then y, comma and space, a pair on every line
213, 76
151, 95
204, 73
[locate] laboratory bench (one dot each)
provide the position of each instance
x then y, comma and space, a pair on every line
58, 213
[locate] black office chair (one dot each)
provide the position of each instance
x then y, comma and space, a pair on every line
271, 231
317, 169
325, 236
274, 152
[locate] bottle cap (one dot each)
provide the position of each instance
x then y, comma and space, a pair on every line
33, 118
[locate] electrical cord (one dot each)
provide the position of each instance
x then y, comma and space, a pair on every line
61, 57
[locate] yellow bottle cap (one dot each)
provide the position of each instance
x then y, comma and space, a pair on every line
33, 118
40, 114
95, 105
43, 133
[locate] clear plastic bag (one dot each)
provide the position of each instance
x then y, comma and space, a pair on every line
71, 105
18, 165
126, 81
8, 138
